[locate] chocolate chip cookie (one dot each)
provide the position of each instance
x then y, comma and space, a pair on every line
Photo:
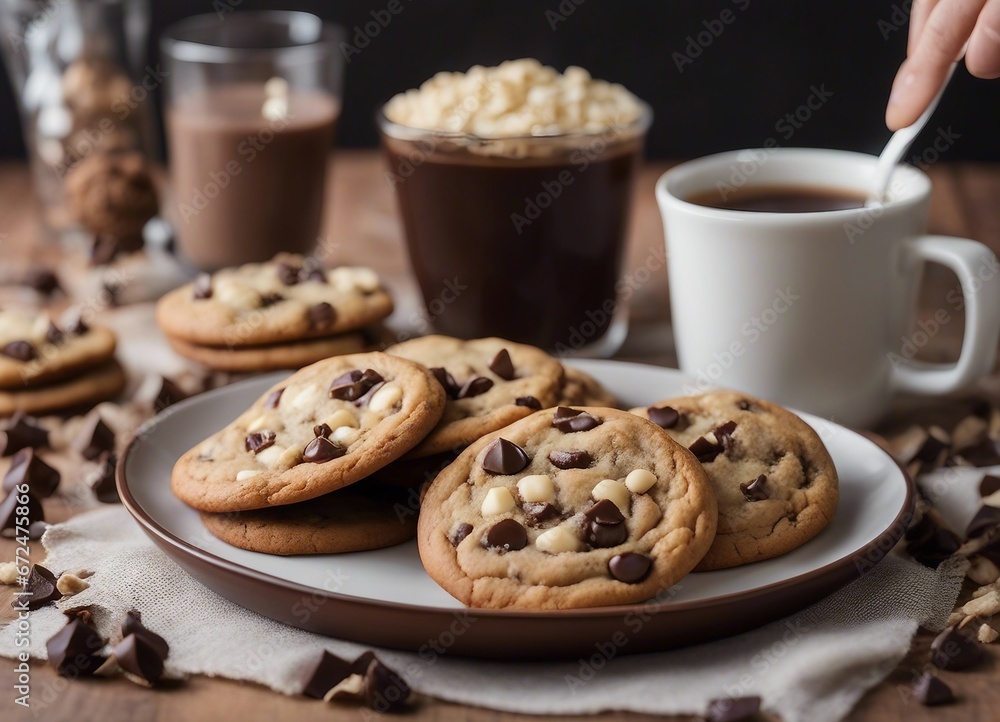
268, 303
323, 428
361, 517
36, 350
774, 480
100, 383
490, 383
570, 507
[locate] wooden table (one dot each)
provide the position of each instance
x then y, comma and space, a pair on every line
363, 221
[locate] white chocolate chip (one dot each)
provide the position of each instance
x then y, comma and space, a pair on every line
498, 500
70, 584
345, 435
557, 540
711, 438
986, 634
290, 457
247, 474
235, 294
270, 456
265, 421
536, 487
8, 573
640, 480
307, 397
982, 570
615, 491
386, 398
341, 417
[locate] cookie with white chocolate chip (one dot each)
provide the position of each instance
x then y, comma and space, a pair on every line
282, 300
570, 507
490, 383
325, 427
775, 482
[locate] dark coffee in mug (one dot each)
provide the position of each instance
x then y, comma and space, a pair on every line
780, 199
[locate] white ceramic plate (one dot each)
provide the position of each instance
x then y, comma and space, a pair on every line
385, 597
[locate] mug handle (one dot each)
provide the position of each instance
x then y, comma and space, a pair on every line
982, 316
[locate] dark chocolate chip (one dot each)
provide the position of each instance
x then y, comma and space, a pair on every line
37, 529
40, 589
540, 511
320, 450
54, 334
505, 457
605, 512
19, 351
366, 398
322, 315
724, 434
273, 399
529, 401
569, 420
354, 384
932, 448
27, 468
502, 366
446, 380
288, 274
323, 430
985, 520
606, 527
329, 671
507, 535
954, 650
202, 287
461, 531
137, 656
984, 453
75, 650
666, 417
630, 567
8, 512
95, 439
744, 405
132, 624
732, 709
257, 441
103, 483
755, 490
22, 433
930, 691
385, 690
270, 299
570, 459
989, 485
705, 450
168, 394
42, 280
474, 387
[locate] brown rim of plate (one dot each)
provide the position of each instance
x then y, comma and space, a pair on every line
394, 624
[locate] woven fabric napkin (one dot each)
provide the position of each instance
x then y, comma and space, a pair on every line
812, 666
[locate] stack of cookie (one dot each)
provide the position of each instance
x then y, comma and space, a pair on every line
285, 313
47, 366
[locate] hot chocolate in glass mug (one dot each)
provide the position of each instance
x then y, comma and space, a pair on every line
812, 308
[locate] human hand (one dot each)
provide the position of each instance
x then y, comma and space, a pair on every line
940, 30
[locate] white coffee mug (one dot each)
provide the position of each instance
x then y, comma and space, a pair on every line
813, 310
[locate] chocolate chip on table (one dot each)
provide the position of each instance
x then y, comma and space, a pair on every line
103, 482
136, 656
985, 453
273, 399
985, 520
474, 387
382, 689
755, 490
528, 401
606, 525
954, 650
539, 511
666, 417
323, 430
202, 287
570, 458
27, 468
321, 450
930, 691
329, 671
19, 351
354, 384
95, 439
41, 588
989, 485
270, 299
42, 280
569, 420
168, 394
630, 567
447, 381
321, 315
36, 529
732, 709
22, 433
257, 441
385, 690
461, 531
507, 535
505, 457
502, 366
705, 450
936, 445
76, 649
288, 274
9, 515
132, 624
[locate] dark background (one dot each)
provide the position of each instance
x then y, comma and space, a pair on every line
760, 67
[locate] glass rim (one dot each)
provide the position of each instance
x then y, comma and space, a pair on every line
405, 132
175, 46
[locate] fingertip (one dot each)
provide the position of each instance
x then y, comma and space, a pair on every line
982, 58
